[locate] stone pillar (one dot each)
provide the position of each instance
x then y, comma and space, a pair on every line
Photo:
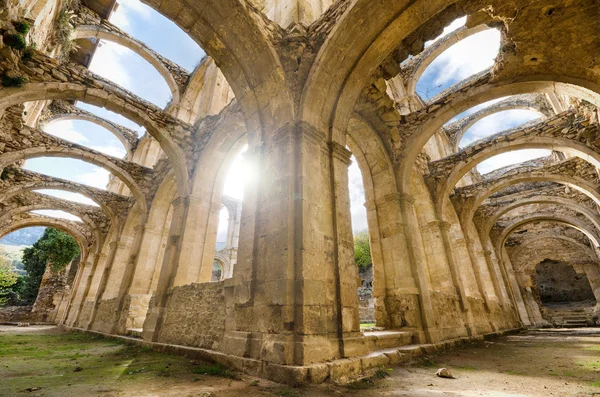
428, 332
478, 278
114, 245
170, 269
513, 289
294, 290
394, 287
592, 271
457, 277
498, 291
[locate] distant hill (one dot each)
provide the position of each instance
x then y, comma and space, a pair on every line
27, 236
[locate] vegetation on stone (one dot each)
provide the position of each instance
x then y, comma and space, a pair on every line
55, 248
16, 41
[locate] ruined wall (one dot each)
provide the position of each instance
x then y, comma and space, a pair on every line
558, 282
195, 316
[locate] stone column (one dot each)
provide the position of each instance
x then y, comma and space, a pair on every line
478, 278
110, 259
170, 269
393, 283
513, 289
457, 278
428, 332
592, 271
498, 290
294, 290
78, 288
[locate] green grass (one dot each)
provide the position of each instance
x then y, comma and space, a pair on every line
367, 325
214, 370
75, 361
595, 384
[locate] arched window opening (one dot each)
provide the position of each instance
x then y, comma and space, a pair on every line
498, 122
58, 214
112, 116
70, 169
89, 135
362, 246
515, 157
474, 109
130, 71
239, 175
464, 59
217, 272
143, 23
69, 196
40, 264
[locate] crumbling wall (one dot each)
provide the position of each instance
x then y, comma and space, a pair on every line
558, 282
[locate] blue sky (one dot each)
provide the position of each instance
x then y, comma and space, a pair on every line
133, 73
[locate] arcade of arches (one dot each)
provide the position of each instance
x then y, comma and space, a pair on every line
306, 85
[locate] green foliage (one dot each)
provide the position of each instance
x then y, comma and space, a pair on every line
18, 81
362, 250
22, 27
55, 248
8, 278
382, 372
214, 370
64, 27
28, 53
16, 41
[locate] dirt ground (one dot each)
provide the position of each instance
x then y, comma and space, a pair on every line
537, 363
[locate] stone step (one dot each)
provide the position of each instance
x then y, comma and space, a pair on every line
134, 332
378, 340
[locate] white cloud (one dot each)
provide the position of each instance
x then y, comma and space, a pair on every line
69, 196
129, 10
58, 214
515, 157
65, 130
96, 178
108, 63
114, 151
223, 225
497, 122
469, 56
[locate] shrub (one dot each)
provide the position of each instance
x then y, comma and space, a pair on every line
28, 54
16, 41
18, 81
22, 27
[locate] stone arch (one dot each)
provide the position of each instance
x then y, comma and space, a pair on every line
12, 191
100, 33
60, 224
579, 184
489, 111
208, 181
92, 118
569, 203
476, 157
561, 219
436, 49
113, 102
224, 263
251, 65
11, 157
86, 219
584, 248
328, 107
481, 93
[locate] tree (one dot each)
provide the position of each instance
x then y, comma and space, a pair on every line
362, 250
55, 248
8, 278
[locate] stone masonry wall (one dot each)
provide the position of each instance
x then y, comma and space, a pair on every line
195, 316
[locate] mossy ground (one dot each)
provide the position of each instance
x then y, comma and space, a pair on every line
75, 364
